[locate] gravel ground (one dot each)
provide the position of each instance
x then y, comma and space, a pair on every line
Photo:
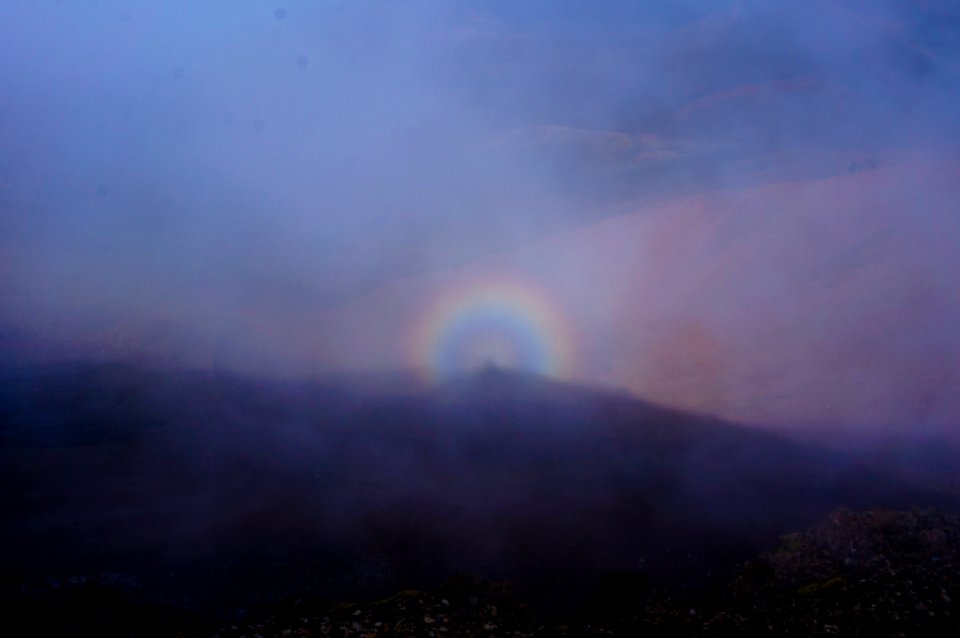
874, 573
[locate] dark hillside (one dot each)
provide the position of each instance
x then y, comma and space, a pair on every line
239, 489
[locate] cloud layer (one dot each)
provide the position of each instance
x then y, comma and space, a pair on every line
743, 207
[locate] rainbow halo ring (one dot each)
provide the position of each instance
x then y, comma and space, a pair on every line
506, 324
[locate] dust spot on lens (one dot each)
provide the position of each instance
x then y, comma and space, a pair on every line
259, 125
178, 73
280, 14
303, 61
102, 190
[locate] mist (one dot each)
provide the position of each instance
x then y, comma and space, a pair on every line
741, 208
304, 303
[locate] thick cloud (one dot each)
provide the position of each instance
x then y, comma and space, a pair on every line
283, 188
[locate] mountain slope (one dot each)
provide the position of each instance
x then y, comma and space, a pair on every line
234, 487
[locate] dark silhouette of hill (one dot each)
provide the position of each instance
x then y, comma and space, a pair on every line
231, 491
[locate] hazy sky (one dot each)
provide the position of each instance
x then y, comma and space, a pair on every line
744, 207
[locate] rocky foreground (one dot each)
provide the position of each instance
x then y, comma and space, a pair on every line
857, 573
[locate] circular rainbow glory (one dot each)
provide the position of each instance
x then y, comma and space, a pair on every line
506, 324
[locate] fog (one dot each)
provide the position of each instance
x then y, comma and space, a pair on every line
742, 208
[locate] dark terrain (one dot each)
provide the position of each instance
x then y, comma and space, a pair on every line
160, 502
